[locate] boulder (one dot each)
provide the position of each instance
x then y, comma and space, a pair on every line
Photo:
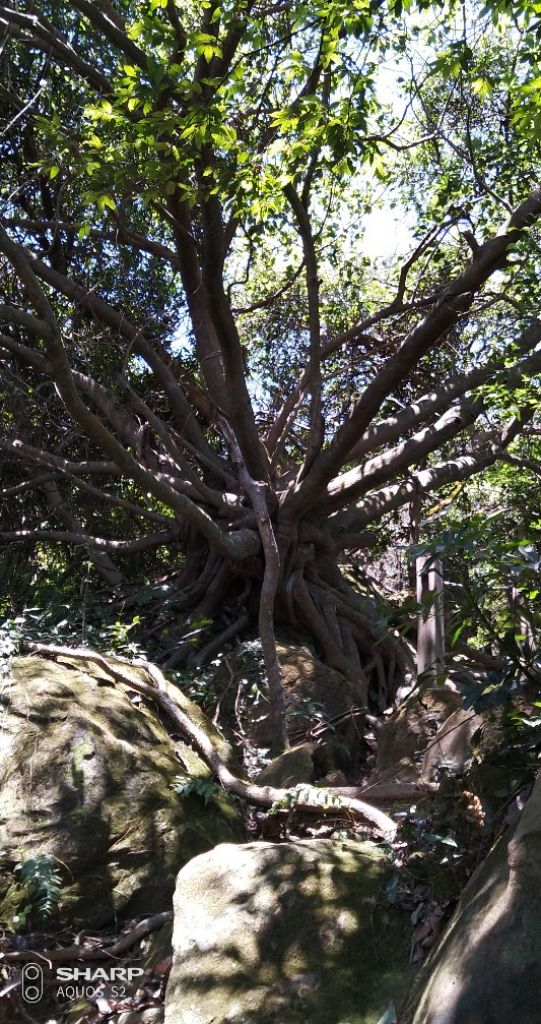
308, 762
86, 777
332, 779
486, 969
297, 933
406, 734
312, 691
451, 746
294, 765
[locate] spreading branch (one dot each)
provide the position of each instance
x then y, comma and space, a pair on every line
454, 302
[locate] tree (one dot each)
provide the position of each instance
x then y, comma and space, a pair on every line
196, 369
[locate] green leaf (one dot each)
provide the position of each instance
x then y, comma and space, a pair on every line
533, 86
106, 202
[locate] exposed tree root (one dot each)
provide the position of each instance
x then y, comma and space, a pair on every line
390, 792
271, 577
306, 798
78, 952
311, 595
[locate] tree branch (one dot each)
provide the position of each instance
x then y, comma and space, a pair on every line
110, 29
384, 467
317, 425
104, 313
121, 236
454, 301
427, 406
25, 452
26, 485
151, 540
271, 578
37, 31
102, 398
110, 499
233, 546
426, 480
104, 565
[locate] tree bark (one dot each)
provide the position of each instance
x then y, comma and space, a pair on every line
431, 622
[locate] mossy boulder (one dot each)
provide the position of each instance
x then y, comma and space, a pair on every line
304, 763
487, 969
313, 692
86, 776
409, 731
451, 746
298, 933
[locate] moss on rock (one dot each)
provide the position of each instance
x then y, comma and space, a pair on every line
288, 933
87, 777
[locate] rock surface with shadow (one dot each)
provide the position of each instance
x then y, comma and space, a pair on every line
487, 967
241, 707
408, 735
86, 776
298, 933
303, 763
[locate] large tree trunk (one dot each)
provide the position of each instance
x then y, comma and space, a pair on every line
313, 599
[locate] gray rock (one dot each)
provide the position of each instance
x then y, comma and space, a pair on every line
86, 776
296, 933
451, 746
406, 734
293, 766
487, 969
241, 701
